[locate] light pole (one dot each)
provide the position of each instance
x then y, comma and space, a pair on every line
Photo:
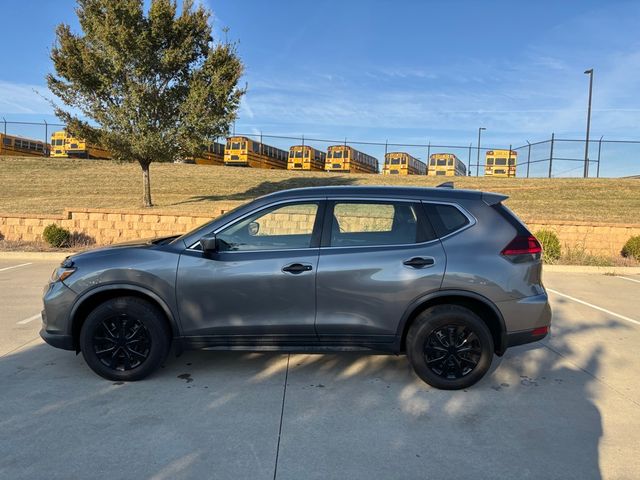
586, 145
478, 157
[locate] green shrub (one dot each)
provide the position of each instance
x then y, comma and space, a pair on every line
56, 236
632, 248
550, 245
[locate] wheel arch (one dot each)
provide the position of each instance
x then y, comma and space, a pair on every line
480, 305
91, 299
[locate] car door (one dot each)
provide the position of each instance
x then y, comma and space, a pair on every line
259, 286
377, 257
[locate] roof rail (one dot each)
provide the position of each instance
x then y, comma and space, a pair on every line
445, 185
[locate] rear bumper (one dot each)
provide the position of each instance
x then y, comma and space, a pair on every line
526, 336
526, 320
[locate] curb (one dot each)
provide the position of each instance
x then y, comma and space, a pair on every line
590, 269
52, 256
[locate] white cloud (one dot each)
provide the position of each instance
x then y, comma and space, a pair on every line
20, 98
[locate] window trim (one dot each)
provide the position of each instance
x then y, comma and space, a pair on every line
315, 233
429, 213
325, 243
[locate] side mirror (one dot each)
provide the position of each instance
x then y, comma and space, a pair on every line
253, 228
209, 243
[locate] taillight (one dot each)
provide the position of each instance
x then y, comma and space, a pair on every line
522, 245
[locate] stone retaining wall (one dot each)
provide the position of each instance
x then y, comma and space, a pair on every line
111, 226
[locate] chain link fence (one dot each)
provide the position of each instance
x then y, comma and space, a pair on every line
554, 157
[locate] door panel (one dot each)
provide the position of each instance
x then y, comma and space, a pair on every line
247, 293
365, 291
378, 256
260, 280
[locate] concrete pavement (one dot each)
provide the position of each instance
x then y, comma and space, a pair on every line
567, 407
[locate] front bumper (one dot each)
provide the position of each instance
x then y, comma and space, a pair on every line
56, 326
57, 340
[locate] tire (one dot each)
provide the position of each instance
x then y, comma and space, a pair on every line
125, 338
438, 364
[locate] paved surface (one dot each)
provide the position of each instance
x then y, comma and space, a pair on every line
566, 408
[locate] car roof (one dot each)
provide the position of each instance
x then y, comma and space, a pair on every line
377, 191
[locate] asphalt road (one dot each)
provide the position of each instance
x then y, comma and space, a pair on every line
567, 407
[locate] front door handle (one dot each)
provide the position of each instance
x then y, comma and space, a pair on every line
297, 268
420, 262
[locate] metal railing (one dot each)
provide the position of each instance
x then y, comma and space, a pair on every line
554, 157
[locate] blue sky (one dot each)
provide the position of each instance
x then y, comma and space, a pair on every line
409, 72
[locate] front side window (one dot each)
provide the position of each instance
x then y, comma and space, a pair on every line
377, 223
281, 227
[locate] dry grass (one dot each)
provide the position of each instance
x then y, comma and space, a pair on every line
36, 185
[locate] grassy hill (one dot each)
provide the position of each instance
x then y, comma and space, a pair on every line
36, 185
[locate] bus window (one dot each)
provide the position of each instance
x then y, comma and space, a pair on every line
501, 161
512, 161
6, 142
337, 154
489, 161
432, 162
442, 162
395, 161
450, 162
404, 161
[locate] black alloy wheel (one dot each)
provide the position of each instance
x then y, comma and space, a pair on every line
452, 351
125, 338
449, 347
121, 342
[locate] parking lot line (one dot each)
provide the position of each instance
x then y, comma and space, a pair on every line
627, 278
30, 319
604, 310
15, 266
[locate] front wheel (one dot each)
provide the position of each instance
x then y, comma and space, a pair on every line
125, 338
449, 347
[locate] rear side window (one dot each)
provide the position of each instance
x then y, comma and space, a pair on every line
377, 223
446, 219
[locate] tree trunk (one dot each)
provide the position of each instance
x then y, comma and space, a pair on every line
146, 184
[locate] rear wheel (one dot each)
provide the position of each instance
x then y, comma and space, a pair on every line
125, 338
449, 347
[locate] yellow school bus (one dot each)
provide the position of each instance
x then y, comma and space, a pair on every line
500, 163
342, 158
446, 164
58, 149
22, 147
401, 163
244, 152
66, 146
304, 157
212, 154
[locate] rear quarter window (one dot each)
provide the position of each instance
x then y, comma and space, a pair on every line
446, 219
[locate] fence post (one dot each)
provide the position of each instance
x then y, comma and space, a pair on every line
469, 160
386, 144
46, 137
508, 162
599, 150
5, 125
551, 154
528, 157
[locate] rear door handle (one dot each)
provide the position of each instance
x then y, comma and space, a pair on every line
420, 262
297, 268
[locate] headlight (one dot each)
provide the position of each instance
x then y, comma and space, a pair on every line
61, 273
65, 269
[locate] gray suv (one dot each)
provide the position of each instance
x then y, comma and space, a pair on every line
449, 277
